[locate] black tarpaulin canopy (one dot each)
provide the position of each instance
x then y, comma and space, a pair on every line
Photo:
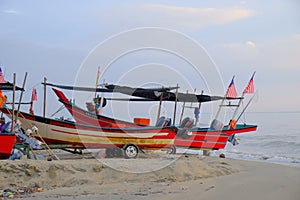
9, 86
145, 94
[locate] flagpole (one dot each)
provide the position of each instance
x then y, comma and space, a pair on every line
245, 107
240, 101
220, 106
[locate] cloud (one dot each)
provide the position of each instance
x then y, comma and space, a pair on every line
195, 18
10, 12
250, 44
174, 17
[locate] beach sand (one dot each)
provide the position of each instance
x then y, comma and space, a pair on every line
175, 177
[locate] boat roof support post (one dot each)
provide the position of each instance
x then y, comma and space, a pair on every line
175, 105
45, 96
159, 107
199, 106
182, 111
13, 102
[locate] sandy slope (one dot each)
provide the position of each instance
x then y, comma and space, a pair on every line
179, 178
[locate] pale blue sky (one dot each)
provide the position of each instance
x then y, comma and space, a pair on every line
52, 38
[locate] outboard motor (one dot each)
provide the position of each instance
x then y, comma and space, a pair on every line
183, 130
216, 125
163, 122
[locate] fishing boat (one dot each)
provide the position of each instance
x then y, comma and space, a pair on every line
188, 136
127, 140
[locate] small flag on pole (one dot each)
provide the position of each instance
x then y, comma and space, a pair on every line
250, 87
34, 95
231, 91
1, 76
99, 72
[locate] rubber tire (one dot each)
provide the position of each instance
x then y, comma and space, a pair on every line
172, 150
131, 151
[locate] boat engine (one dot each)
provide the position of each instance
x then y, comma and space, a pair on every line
184, 128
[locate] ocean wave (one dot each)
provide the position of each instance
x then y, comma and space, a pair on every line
280, 159
278, 143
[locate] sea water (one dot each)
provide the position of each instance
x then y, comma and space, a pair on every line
276, 140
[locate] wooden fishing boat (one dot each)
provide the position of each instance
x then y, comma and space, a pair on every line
187, 136
69, 133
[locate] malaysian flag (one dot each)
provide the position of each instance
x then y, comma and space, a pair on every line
250, 87
34, 95
231, 91
1, 76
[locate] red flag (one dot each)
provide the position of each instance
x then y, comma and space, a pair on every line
250, 87
231, 91
1, 76
34, 95
98, 72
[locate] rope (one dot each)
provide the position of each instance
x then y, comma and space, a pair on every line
59, 109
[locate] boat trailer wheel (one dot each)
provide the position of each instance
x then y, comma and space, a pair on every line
172, 150
130, 151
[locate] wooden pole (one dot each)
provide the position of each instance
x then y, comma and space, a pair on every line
159, 107
175, 105
183, 106
13, 103
21, 96
102, 98
97, 80
199, 106
44, 105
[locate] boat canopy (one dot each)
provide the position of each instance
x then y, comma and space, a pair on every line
145, 94
9, 86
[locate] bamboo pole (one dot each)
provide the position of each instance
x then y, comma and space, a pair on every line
175, 105
102, 98
245, 107
159, 107
21, 95
13, 102
182, 111
199, 106
45, 95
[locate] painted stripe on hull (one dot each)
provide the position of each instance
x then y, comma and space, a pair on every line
94, 138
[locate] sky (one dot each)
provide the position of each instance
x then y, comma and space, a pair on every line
56, 38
